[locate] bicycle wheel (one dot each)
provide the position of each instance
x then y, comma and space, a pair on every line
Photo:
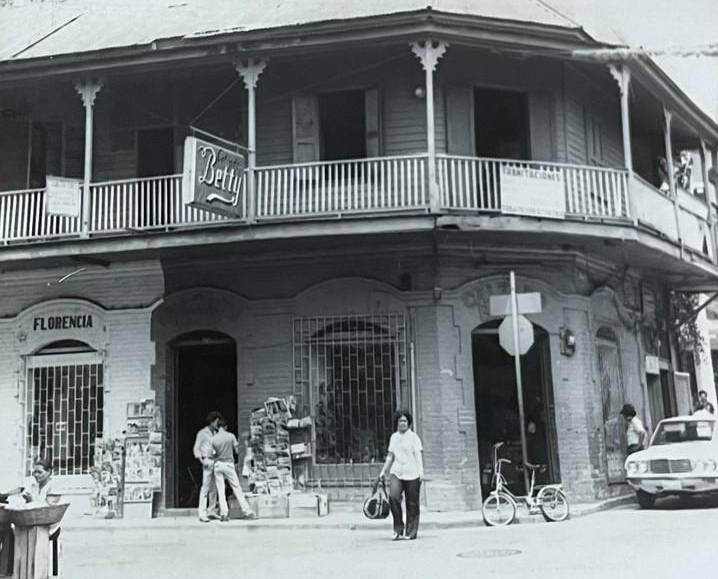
498, 510
553, 503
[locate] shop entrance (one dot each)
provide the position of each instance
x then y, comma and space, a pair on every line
205, 379
497, 406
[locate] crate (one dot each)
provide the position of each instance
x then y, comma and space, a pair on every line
269, 506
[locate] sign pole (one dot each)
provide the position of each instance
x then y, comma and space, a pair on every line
519, 385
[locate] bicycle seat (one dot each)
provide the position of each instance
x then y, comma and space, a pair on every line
498, 444
506, 460
534, 466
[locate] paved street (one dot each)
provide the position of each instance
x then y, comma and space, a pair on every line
663, 543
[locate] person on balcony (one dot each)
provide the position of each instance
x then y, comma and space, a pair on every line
405, 465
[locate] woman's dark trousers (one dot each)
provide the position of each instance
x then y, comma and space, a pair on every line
410, 488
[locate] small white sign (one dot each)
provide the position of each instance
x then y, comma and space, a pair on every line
62, 196
529, 303
538, 192
652, 365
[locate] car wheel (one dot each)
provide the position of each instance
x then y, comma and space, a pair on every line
645, 500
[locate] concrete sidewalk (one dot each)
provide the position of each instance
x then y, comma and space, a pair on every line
345, 516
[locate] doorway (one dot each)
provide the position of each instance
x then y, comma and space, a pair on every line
501, 123
155, 152
497, 406
205, 365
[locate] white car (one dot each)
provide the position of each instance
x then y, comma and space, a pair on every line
682, 459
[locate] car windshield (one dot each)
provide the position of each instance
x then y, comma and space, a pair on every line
687, 431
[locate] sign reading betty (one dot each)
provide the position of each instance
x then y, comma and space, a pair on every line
213, 178
534, 191
45, 323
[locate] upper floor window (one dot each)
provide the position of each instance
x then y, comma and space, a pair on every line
336, 125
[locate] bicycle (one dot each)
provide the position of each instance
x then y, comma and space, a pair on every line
499, 508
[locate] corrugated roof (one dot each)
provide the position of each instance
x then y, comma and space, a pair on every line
75, 26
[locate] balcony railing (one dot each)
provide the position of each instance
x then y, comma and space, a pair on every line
341, 189
476, 184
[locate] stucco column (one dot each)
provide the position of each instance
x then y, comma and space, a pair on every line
429, 52
704, 364
249, 71
88, 91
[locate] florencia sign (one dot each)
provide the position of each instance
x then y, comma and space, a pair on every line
213, 178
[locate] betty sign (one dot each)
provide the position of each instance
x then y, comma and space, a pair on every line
213, 178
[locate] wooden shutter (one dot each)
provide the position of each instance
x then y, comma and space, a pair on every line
305, 128
14, 142
541, 121
372, 116
460, 121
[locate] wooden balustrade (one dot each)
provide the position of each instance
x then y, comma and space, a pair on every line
473, 183
150, 203
342, 187
336, 189
23, 217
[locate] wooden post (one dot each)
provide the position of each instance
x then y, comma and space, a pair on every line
622, 75
250, 71
87, 91
667, 115
429, 53
705, 159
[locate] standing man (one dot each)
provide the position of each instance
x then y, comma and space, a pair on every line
635, 431
224, 447
202, 451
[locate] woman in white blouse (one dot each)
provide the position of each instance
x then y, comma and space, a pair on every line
405, 466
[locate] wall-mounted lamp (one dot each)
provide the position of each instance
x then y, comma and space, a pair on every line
419, 93
568, 342
437, 293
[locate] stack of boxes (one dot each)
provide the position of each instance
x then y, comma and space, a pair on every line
269, 440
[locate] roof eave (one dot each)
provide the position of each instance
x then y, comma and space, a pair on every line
463, 29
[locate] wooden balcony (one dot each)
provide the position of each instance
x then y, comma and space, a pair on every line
355, 188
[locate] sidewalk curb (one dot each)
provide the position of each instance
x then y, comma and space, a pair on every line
464, 520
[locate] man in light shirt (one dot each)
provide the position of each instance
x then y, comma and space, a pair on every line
224, 447
202, 451
635, 431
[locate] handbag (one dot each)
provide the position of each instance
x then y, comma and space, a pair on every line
376, 506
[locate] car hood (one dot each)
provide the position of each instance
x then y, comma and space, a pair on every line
697, 449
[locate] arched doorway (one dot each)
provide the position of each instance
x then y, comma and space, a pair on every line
204, 379
497, 405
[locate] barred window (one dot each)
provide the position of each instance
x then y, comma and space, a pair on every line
351, 375
64, 407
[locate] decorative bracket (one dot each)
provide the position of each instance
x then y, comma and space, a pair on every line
88, 90
622, 75
250, 70
429, 52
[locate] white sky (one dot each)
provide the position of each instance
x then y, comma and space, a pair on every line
659, 24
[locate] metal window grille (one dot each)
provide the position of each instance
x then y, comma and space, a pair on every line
351, 374
63, 411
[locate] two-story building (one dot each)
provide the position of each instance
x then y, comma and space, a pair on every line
320, 200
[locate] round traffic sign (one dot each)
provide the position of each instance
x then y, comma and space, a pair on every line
506, 334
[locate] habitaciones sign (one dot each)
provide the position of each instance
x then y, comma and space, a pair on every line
213, 178
533, 191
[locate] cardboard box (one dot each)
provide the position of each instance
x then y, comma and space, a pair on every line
269, 506
308, 505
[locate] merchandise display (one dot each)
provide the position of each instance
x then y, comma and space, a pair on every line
143, 453
270, 471
107, 475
